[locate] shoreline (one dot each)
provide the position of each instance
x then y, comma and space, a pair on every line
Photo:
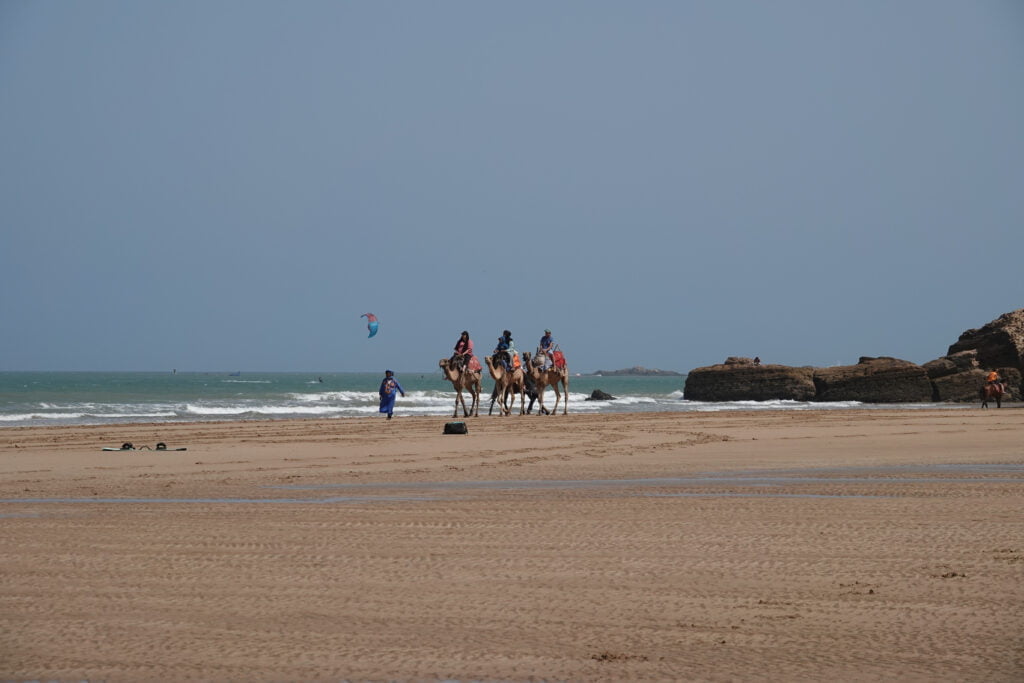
652, 546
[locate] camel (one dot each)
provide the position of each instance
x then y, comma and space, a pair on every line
463, 379
518, 386
506, 383
553, 376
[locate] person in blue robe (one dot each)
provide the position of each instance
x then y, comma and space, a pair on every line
389, 390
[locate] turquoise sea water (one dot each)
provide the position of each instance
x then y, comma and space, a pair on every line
75, 398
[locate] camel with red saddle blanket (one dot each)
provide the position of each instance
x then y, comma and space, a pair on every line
555, 375
507, 383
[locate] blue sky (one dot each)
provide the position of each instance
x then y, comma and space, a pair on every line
229, 185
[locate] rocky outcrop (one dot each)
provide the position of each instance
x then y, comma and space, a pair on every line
964, 361
874, 380
959, 387
998, 344
744, 381
598, 395
963, 387
957, 376
640, 370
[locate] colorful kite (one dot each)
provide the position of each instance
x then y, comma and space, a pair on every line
371, 323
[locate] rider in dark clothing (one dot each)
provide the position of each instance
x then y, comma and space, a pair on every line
504, 351
463, 351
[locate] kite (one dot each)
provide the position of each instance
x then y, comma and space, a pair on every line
371, 323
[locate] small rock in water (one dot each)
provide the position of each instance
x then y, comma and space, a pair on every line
599, 395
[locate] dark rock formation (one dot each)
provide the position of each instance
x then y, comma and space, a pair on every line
998, 344
744, 381
964, 361
1013, 381
598, 395
639, 370
874, 380
958, 376
959, 387
963, 387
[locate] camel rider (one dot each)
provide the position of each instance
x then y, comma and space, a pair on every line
994, 378
463, 351
504, 351
546, 347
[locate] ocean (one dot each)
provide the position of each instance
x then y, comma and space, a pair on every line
87, 398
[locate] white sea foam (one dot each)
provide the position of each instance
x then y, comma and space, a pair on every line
260, 410
82, 416
336, 397
23, 417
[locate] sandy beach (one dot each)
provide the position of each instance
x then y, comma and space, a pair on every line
844, 544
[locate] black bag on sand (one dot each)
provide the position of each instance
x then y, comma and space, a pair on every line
455, 428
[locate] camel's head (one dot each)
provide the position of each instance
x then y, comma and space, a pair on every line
443, 363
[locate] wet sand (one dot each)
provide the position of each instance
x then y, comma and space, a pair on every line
852, 545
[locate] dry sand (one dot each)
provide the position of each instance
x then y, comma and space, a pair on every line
846, 545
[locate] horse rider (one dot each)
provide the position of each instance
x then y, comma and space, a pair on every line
546, 347
504, 351
994, 379
463, 351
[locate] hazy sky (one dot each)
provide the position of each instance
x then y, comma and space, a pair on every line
214, 185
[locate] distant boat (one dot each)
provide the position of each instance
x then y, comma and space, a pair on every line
234, 374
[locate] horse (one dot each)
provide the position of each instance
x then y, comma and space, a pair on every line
992, 390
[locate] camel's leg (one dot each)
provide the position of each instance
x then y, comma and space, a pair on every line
459, 400
540, 397
476, 400
499, 391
